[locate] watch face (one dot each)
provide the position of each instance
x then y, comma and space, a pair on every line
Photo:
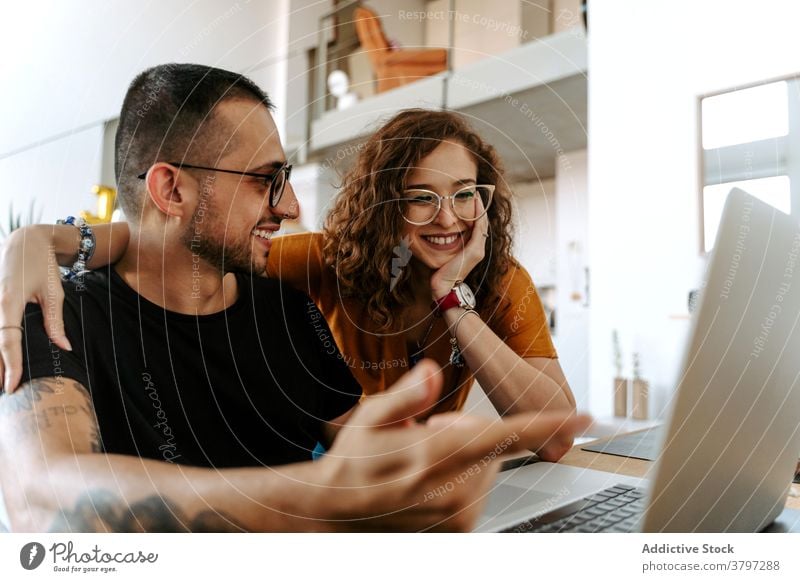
465, 295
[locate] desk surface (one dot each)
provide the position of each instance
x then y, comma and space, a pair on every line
633, 467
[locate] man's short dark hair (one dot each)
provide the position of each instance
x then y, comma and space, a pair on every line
168, 111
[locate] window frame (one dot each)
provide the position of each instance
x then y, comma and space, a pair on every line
721, 165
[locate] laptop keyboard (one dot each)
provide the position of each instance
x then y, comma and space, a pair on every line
616, 509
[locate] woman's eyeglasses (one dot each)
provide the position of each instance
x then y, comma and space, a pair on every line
420, 207
276, 181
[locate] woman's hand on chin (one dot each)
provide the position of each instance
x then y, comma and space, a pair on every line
457, 268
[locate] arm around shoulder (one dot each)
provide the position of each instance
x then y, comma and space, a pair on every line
297, 259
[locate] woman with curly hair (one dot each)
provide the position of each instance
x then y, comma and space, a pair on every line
414, 261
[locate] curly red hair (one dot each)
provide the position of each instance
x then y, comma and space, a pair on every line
363, 228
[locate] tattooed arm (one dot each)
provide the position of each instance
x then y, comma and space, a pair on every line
54, 477
378, 475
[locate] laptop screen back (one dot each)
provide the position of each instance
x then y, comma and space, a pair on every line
733, 439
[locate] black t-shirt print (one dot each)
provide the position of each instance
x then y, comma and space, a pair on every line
248, 386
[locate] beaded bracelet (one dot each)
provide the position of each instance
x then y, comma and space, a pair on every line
85, 247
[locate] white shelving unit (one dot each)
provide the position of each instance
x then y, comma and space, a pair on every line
539, 86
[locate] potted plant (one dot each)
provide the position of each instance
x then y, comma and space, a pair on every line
640, 391
15, 220
620, 382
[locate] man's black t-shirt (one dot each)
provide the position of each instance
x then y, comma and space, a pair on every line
248, 386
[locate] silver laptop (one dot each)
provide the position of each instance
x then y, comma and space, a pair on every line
731, 444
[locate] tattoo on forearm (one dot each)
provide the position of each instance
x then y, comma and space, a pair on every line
96, 443
102, 511
34, 417
94, 429
43, 419
25, 399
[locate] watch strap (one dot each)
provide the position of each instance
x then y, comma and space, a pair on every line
448, 301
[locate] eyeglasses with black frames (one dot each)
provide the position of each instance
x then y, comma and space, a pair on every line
276, 181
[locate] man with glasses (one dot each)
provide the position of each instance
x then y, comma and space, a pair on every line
194, 390
275, 181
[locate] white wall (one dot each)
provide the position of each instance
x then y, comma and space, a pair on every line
315, 187
534, 247
67, 65
552, 244
571, 258
535, 240
73, 66
649, 61
58, 177
550, 215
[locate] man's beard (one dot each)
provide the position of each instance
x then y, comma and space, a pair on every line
200, 239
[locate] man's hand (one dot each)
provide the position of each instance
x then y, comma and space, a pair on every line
28, 274
386, 472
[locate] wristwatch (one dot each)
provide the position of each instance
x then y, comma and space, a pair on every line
460, 296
